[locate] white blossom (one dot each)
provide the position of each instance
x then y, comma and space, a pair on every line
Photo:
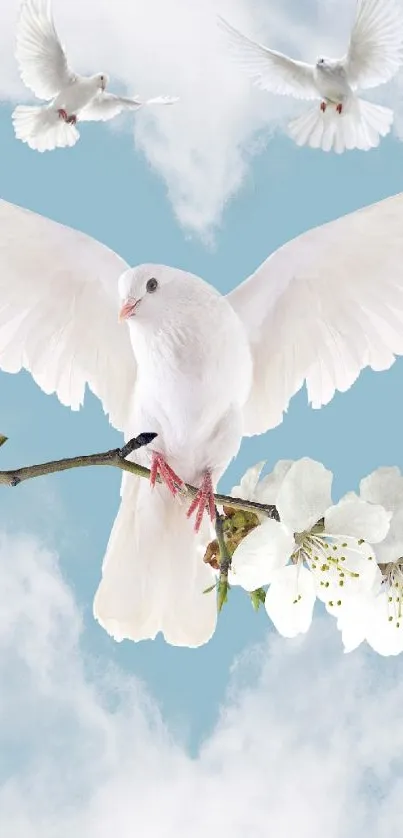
290, 600
265, 490
263, 551
327, 542
384, 627
353, 619
246, 489
385, 486
378, 616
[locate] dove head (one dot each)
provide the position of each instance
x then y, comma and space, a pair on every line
324, 64
101, 80
154, 294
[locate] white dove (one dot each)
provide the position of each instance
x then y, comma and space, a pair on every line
199, 369
342, 120
72, 98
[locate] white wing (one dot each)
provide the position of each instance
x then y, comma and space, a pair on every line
323, 307
269, 69
376, 46
40, 55
106, 106
59, 312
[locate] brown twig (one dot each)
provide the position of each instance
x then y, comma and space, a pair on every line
116, 457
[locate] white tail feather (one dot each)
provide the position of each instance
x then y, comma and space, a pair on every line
162, 100
153, 574
42, 129
360, 125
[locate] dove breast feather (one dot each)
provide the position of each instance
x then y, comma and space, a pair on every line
59, 308
323, 307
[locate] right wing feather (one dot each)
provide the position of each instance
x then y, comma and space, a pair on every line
59, 309
269, 69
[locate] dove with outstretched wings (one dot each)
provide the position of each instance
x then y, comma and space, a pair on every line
341, 119
71, 98
199, 369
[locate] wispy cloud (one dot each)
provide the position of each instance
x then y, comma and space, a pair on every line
202, 147
309, 742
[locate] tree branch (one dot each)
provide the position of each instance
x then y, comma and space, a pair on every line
116, 457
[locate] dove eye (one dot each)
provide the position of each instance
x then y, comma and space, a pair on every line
152, 285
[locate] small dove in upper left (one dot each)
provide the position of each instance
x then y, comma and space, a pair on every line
71, 98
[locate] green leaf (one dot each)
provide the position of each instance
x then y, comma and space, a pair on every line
3, 439
211, 588
222, 593
257, 597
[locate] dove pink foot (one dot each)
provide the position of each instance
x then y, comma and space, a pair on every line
339, 108
323, 106
71, 120
160, 467
204, 499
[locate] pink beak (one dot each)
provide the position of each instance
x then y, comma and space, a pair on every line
128, 308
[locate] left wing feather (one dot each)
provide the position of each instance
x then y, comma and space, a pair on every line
59, 312
375, 52
323, 307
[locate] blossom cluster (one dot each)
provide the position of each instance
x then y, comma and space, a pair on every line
348, 555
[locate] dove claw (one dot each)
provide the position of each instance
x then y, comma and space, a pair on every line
203, 499
71, 120
339, 108
159, 467
323, 106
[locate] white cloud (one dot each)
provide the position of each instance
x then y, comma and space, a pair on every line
202, 146
309, 742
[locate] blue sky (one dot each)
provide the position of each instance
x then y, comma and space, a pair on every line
106, 187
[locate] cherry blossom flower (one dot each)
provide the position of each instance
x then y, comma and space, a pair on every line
317, 550
379, 619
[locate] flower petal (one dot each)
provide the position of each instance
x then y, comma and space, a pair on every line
264, 550
354, 516
290, 600
267, 489
391, 549
304, 495
384, 486
246, 488
346, 569
384, 632
352, 618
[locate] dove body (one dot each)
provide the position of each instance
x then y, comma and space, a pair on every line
194, 377
79, 93
331, 80
190, 346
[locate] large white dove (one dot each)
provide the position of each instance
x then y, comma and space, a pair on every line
199, 369
341, 120
71, 98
